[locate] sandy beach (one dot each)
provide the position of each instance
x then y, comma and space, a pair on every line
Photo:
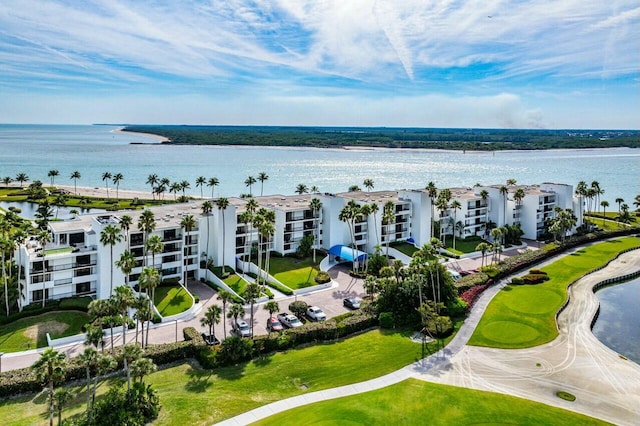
158, 138
86, 191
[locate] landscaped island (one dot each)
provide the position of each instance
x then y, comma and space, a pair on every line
381, 137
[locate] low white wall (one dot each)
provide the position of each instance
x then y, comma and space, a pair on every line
397, 254
63, 341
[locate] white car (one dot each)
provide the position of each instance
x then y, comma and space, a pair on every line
316, 314
289, 320
241, 328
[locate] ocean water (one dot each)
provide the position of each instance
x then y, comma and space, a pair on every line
618, 324
92, 150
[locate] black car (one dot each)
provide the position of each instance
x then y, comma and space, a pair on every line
351, 303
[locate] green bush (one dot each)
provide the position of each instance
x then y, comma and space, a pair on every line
469, 281
322, 277
386, 320
517, 281
281, 288
535, 278
157, 319
298, 308
76, 303
457, 308
537, 272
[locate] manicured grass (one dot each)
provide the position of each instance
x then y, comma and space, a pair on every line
292, 272
172, 300
415, 402
58, 251
403, 247
191, 396
523, 316
30, 333
236, 283
467, 245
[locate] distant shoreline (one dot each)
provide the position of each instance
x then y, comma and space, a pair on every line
158, 138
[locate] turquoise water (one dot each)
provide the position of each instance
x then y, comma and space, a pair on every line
92, 150
618, 325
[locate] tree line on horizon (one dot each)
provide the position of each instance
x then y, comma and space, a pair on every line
336, 137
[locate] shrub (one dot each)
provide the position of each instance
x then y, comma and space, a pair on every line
196, 298
323, 277
535, 278
457, 308
517, 281
386, 320
298, 308
537, 272
281, 288
157, 319
169, 352
472, 294
467, 282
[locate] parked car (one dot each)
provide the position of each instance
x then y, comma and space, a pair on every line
274, 325
351, 303
210, 340
241, 328
316, 314
289, 320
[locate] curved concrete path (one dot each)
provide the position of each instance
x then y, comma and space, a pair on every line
605, 385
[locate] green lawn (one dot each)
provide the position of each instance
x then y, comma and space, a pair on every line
190, 396
31, 333
467, 245
524, 316
172, 300
292, 272
415, 402
236, 283
403, 247
58, 251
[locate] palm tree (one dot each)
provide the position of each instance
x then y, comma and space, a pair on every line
43, 238
142, 314
6, 246
106, 176
60, 201
19, 236
455, 205
267, 229
117, 178
581, 192
350, 214
262, 177
251, 293
619, 201
75, 176
211, 318
7, 180
432, 192
152, 180
125, 224
301, 189
52, 175
146, 224
212, 183
49, 368
597, 191
94, 335
482, 247
636, 201
126, 263
368, 183
207, 208
248, 182
224, 296
236, 310
184, 185
131, 353
122, 300
142, 367
110, 236
200, 182
222, 204
271, 306
89, 360
22, 178
388, 219
518, 196
175, 188
504, 191
188, 223
604, 205
149, 279
314, 189
511, 182
315, 205
154, 245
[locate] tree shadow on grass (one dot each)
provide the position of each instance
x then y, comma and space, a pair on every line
199, 381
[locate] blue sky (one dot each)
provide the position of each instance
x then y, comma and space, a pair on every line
485, 63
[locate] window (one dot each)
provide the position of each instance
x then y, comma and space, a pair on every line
76, 239
36, 295
82, 288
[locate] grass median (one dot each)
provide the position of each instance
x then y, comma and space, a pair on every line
414, 402
523, 316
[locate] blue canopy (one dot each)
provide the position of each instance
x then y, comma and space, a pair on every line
348, 253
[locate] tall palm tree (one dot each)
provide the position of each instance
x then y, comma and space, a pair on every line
301, 189
236, 311
142, 314
154, 245
126, 263
455, 205
262, 177
504, 191
267, 230
110, 235
146, 224
482, 247
597, 191
619, 201
123, 299
52, 175
188, 223
200, 182
207, 208
184, 185
75, 176
43, 238
604, 205
130, 354
152, 180
222, 204
7, 245
49, 368
432, 192
272, 307
22, 178
175, 188
212, 183
225, 297
315, 205
106, 177
518, 196
248, 182
7, 180
117, 178
350, 214
211, 318
251, 293
389, 219
314, 189
19, 236
368, 183
511, 182
89, 359
149, 279
125, 225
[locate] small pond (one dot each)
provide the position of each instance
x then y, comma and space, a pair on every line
29, 209
618, 325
